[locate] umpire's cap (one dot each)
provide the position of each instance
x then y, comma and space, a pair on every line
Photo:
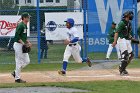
70, 21
25, 15
128, 13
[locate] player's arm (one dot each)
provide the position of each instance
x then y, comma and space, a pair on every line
29, 43
120, 28
17, 35
74, 40
20, 41
115, 39
133, 40
76, 36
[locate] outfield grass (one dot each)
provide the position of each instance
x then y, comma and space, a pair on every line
94, 86
134, 64
55, 55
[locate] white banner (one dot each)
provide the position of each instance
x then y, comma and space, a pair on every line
55, 25
8, 24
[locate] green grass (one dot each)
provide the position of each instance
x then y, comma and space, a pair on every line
102, 56
94, 86
40, 67
134, 64
55, 55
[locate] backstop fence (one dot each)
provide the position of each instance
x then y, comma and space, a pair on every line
93, 19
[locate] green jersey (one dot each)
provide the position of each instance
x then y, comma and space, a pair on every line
21, 32
111, 35
124, 29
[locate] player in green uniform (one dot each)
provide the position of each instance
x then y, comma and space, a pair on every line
123, 38
111, 40
22, 59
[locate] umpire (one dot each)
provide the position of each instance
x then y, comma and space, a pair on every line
22, 59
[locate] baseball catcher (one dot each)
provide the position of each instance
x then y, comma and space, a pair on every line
123, 37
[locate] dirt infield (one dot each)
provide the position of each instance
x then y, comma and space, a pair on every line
77, 75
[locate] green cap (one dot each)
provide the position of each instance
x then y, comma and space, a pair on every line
113, 23
25, 14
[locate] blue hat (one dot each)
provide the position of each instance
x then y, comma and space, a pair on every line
70, 21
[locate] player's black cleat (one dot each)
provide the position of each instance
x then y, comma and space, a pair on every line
20, 81
123, 72
88, 62
13, 74
107, 59
63, 73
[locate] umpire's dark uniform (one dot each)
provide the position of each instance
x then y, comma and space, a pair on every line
43, 46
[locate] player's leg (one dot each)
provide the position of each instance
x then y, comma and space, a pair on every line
124, 55
42, 52
26, 60
66, 57
46, 53
76, 55
130, 51
19, 60
109, 51
118, 52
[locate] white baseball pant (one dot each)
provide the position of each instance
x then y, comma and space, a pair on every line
74, 51
22, 59
124, 45
110, 48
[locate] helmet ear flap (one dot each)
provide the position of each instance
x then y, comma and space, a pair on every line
131, 15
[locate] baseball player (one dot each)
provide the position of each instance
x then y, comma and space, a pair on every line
72, 48
123, 38
111, 40
22, 59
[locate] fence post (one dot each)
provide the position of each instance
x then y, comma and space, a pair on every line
38, 28
135, 25
85, 28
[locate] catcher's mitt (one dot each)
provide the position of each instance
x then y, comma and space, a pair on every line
26, 48
135, 41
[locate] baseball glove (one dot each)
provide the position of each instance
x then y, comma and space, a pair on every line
135, 41
26, 48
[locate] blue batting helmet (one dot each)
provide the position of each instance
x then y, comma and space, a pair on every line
70, 21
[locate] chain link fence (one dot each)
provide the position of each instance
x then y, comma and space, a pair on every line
51, 51
44, 51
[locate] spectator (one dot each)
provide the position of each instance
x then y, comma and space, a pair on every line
43, 46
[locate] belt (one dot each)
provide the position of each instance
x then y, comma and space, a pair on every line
73, 44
